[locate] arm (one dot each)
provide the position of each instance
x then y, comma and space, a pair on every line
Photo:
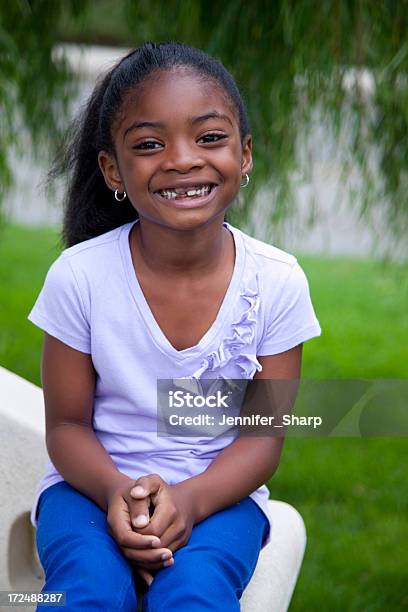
68, 380
248, 462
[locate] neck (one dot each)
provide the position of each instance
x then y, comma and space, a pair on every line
179, 252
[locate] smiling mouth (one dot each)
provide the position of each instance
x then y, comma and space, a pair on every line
186, 193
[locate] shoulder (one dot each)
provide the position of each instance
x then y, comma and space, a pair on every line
266, 253
85, 266
94, 248
278, 290
91, 258
279, 276
273, 266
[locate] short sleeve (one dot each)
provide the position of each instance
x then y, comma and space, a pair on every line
59, 309
291, 319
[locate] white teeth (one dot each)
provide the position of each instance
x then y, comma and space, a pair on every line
194, 192
168, 194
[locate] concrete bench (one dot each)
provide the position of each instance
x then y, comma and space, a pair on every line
23, 458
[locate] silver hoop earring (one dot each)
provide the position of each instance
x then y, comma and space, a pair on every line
121, 198
246, 181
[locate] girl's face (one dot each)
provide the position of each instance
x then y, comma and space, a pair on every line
177, 133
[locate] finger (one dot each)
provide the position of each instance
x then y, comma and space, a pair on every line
121, 528
145, 575
163, 517
164, 513
152, 559
177, 544
143, 489
146, 485
139, 511
174, 538
138, 492
153, 566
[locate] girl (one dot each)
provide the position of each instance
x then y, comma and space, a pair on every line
155, 284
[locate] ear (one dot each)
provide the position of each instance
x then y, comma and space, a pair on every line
246, 161
110, 171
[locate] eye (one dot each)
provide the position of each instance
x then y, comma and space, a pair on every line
145, 145
213, 137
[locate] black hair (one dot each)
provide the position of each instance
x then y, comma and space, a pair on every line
89, 206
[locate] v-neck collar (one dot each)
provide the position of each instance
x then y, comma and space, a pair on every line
153, 327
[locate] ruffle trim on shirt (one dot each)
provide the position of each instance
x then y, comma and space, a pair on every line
235, 345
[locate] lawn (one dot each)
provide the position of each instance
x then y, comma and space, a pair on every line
352, 493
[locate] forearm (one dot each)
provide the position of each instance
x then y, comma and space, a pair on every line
83, 462
238, 470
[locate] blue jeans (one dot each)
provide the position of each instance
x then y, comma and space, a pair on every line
80, 557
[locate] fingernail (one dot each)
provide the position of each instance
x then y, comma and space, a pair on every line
138, 490
141, 520
169, 562
155, 543
166, 555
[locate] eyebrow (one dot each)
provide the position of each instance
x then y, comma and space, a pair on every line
193, 121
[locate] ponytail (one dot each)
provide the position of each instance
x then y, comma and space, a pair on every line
89, 206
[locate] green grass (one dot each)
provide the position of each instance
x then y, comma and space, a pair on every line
25, 255
352, 493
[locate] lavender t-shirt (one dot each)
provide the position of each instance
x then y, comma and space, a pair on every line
92, 301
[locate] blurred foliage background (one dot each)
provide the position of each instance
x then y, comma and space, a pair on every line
345, 59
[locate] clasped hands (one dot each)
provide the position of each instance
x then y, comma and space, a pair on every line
150, 520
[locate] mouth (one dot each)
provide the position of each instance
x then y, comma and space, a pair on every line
184, 197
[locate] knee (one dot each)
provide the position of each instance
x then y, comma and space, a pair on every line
94, 598
94, 575
213, 584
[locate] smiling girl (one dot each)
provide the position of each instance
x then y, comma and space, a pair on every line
155, 284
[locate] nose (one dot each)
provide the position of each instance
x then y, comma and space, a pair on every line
182, 156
